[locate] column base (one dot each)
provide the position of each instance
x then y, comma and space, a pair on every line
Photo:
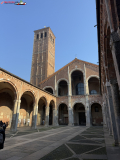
70, 124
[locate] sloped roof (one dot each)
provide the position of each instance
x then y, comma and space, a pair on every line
66, 66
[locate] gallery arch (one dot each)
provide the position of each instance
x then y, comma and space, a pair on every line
77, 82
26, 109
79, 114
96, 114
50, 90
51, 107
7, 97
62, 88
93, 84
41, 111
63, 114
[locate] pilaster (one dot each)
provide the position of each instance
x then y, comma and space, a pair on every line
112, 113
15, 115
47, 115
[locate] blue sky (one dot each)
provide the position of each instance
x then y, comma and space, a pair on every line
72, 22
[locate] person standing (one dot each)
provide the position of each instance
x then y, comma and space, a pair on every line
4, 126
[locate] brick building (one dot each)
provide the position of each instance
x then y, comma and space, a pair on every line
70, 96
108, 24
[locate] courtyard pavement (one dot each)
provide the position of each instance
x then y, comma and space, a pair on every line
60, 143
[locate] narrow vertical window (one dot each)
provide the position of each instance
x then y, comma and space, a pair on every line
45, 34
53, 40
37, 36
41, 35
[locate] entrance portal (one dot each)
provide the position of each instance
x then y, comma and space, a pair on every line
79, 114
82, 118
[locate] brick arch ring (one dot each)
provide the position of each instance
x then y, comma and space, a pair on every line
49, 87
95, 102
43, 96
60, 104
62, 79
13, 85
92, 76
76, 70
29, 90
78, 102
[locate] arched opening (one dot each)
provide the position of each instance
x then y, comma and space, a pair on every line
63, 114
96, 114
62, 88
93, 84
50, 90
41, 111
7, 97
77, 83
51, 107
26, 108
79, 114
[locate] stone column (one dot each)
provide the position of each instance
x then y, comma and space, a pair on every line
87, 106
88, 112
112, 113
116, 100
15, 115
55, 117
70, 110
70, 116
47, 115
34, 116
109, 124
104, 115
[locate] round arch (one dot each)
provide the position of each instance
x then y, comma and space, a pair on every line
43, 97
63, 114
62, 103
92, 76
12, 84
62, 79
53, 103
93, 85
76, 69
29, 91
78, 102
77, 80
26, 108
79, 113
51, 114
96, 114
8, 94
49, 87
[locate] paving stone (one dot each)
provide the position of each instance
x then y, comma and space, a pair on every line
79, 149
99, 151
59, 153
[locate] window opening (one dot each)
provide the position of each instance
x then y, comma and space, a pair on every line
93, 92
45, 34
37, 36
41, 35
80, 89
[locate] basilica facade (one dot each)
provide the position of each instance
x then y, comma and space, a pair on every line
70, 96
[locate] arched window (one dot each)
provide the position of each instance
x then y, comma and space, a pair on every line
80, 89
93, 92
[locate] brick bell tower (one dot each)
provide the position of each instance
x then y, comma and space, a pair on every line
43, 59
